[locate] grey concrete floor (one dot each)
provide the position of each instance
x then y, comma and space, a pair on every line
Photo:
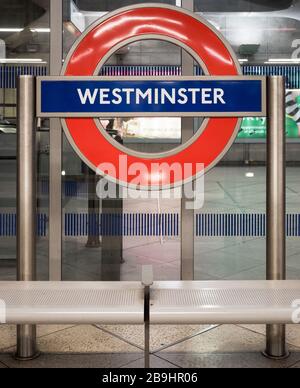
195, 346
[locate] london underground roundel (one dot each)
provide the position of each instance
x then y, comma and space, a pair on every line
136, 23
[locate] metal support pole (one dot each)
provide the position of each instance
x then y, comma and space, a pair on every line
276, 211
147, 325
26, 204
187, 215
147, 281
55, 202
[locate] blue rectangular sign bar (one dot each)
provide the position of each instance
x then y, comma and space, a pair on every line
152, 96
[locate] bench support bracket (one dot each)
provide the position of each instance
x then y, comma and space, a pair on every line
147, 281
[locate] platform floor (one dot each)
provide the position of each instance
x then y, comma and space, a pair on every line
225, 346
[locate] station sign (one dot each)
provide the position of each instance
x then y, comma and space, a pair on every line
133, 97
80, 95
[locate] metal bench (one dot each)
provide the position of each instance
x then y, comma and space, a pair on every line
167, 302
222, 302
73, 302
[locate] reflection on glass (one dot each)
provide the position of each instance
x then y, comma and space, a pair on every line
256, 127
24, 49
147, 128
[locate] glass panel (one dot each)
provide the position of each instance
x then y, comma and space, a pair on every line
24, 49
230, 242
229, 237
254, 30
259, 38
229, 230
146, 239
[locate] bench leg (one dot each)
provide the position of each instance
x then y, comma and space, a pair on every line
26, 343
147, 325
276, 347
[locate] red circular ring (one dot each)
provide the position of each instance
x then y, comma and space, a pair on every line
168, 22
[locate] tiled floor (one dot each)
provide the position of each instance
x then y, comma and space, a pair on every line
227, 190
171, 346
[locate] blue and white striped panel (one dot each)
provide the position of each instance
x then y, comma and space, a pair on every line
291, 73
42, 222
128, 224
229, 225
241, 225
9, 74
293, 225
153, 224
8, 225
76, 224
142, 71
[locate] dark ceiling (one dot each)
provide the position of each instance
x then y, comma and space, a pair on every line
110, 5
241, 5
19, 13
201, 5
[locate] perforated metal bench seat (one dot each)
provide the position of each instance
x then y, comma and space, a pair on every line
177, 302
221, 302
73, 302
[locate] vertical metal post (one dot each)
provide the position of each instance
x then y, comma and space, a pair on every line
147, 281
276, 210
26, 204
187, 215
147, 325
55, 205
